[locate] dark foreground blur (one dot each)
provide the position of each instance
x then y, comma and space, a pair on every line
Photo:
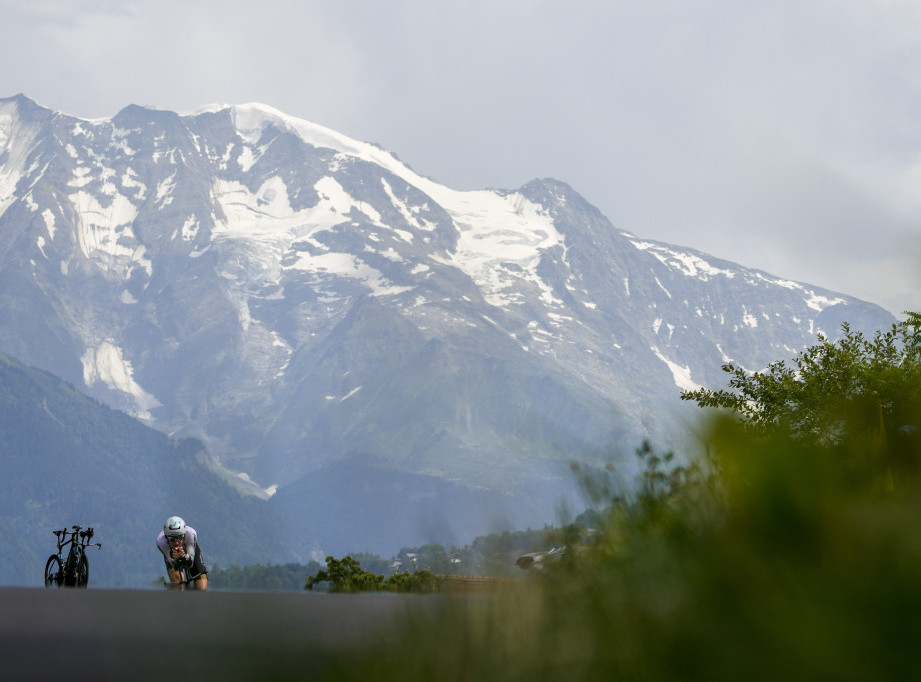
160, 635
795, 562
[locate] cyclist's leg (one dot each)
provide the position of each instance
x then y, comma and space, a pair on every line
199, 570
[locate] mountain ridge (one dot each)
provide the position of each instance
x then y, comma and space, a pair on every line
295, 299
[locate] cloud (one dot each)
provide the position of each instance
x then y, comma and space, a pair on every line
764, 133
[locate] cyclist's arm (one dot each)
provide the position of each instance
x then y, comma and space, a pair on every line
163, 546
191, 542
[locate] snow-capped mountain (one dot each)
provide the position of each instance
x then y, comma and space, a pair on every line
319, 314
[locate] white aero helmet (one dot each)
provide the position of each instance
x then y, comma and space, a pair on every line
174, 527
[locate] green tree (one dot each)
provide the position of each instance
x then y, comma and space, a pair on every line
347, 575
831, 391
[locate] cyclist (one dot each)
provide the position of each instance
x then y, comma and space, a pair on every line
179, 545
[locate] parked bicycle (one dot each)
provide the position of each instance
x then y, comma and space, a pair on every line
73, 571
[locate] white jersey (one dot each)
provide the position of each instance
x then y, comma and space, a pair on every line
190, 543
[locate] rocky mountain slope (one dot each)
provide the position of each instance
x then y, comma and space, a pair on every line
340, 330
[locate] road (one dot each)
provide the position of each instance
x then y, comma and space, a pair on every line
99, 634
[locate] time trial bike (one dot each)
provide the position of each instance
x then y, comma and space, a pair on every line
189, 580
74, 570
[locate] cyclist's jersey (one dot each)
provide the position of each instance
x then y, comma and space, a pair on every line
190, 543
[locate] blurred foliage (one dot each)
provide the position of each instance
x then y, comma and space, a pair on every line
788, 553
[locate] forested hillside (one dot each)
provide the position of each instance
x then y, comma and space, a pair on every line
68, 459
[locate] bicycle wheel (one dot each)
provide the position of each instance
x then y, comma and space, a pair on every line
54, 572
70, 569
83, 571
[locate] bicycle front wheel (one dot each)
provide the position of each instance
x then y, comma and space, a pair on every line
54, 572
83, 571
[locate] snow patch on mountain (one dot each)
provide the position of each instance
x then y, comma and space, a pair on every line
189, 229
267, 213
819, 302
687, 263
106, 363
105, 235
680, 373
48, 217
811, 297
410, 214
278, 234
502, 236
328, 266
130, 182
120, 144
16, 142
252, 118
502, 239
6, 126
692, 264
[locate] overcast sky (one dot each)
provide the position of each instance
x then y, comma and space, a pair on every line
781, 135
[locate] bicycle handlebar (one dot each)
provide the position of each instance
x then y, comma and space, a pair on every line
78, 537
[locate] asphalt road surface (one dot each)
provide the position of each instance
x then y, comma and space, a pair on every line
98, 634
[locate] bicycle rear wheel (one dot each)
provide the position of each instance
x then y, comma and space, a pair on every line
54, 572
83, 571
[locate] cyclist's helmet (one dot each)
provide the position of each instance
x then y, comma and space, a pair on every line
174, 527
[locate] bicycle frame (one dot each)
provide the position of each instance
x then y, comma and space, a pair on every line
74, 570
188, 581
